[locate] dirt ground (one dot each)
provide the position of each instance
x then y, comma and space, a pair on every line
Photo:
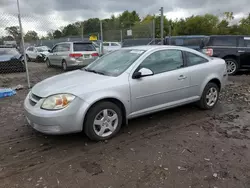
178, 148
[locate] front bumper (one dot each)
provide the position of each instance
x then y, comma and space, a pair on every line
67, 120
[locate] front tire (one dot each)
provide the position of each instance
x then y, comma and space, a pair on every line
103, 121
209, 97
232, 66
64, 65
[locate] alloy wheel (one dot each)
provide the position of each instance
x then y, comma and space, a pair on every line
105, 122
211, 96
231, 67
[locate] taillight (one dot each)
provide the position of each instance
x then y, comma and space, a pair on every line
95, 54
76, 55
208, 51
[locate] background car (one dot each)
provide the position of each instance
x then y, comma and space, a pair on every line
11, 60
235, 50
37, 53
111, 46
72, 54
189, 41
121, 85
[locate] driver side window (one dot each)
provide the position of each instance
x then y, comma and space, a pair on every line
163, 61
55, 49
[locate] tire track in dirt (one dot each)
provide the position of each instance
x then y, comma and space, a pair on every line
22, 164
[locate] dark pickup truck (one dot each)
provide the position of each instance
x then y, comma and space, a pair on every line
234, 49
189, 41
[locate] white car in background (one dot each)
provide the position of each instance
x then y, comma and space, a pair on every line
111, 46
37, 53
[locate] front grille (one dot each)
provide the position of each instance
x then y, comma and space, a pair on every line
34, 99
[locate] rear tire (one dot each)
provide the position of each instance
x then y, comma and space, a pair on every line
109, 123
64, 65
210, 96
232, 66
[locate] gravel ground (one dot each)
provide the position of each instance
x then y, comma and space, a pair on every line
182, 147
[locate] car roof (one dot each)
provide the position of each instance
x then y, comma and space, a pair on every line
229, 36
187, 36
85, 42
165, 47
152, 47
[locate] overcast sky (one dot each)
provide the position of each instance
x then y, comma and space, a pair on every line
45, 15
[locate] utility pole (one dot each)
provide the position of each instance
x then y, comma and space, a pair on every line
22, 44
101, 43
121, 36
170, 33
82, 29
153, 30
162, 25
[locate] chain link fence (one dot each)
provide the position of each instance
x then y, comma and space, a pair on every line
41, 35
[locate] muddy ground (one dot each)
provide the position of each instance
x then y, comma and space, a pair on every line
183, 147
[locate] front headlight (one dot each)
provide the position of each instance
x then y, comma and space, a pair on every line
57, 102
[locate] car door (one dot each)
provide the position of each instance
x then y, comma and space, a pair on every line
35, 53
244, 51
114, 46
166, 87
198, 68
28, 51
53, 55
31, 53
106, 47
63, 51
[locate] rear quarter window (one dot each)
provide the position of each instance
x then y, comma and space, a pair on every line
78, 47
223, 41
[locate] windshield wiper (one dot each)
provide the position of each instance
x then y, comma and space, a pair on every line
96, 72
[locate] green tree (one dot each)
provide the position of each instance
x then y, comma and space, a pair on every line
91, 26
31, 36
14, 32
71, 30
245, 25
57, 34
128, 19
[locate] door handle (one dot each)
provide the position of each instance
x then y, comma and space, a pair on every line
241, 51
182, 77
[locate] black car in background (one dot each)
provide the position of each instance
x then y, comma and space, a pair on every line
234, 49
189, 41
11, 60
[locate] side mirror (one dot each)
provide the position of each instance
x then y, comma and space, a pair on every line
50, 51
143, 72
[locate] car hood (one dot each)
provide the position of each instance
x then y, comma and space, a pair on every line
75, 82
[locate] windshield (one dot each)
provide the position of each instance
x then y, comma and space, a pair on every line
8, 51
114, 63
78, 47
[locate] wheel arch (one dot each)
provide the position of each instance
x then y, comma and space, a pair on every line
235, 57
213, 79
114, 100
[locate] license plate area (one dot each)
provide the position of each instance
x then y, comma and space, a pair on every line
87, 56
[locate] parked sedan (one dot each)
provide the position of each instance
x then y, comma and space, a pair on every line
121, 85
37, 53
72, 54
11, 60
